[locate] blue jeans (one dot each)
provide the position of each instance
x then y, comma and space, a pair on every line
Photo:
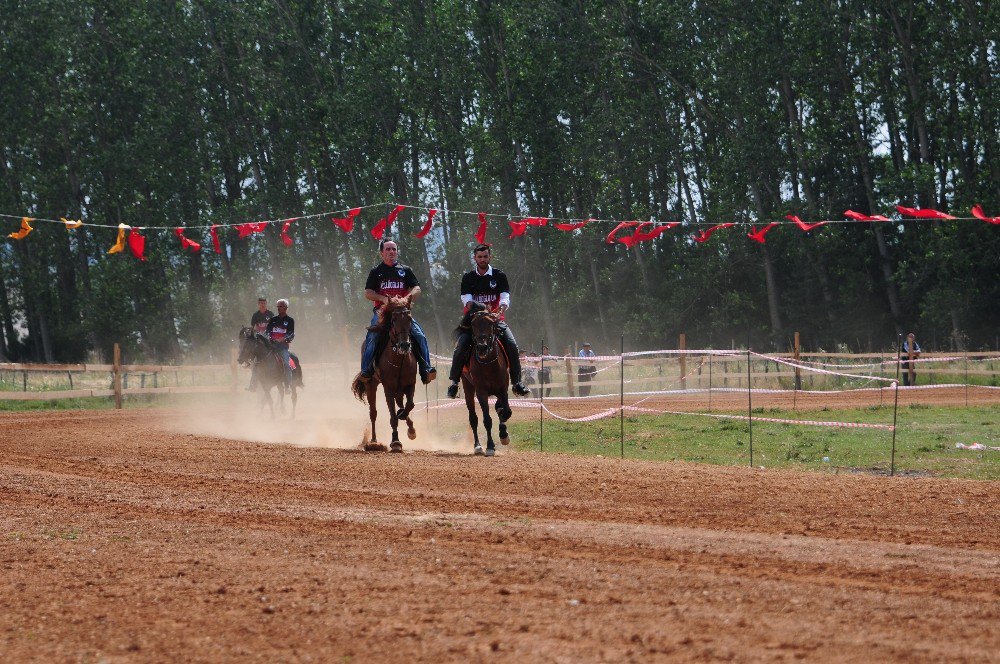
282, 352
371, 339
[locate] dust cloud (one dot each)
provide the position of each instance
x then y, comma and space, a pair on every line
328, 416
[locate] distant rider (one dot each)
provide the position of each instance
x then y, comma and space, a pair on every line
281, 330
489, 286
390, 279
258, 323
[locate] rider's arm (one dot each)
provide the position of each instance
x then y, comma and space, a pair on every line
414, 294
504, 301
375, 297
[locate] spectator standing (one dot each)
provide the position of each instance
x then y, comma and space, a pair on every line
586, 370
911, 351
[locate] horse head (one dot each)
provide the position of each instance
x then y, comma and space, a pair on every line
246, 345
401, 321
484, 326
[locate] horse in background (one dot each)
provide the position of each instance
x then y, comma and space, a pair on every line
395, 369
256, 348
486, 375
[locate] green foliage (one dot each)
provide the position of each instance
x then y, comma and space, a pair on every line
186, 114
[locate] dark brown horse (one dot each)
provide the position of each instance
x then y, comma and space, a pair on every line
486, 376
396, 370
257, 349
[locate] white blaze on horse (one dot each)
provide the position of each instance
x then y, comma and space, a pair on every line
255, 348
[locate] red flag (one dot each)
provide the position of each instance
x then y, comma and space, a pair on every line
610, 239
386, 222
186, 243
803, 225
857, 216
481, 233
707, 233
517, 228
536, 221
427, 224
977, 212
573, 226
758, 235
137, 244
659, 230
285, 237
926, 213
250, 228
346, 224
215, 239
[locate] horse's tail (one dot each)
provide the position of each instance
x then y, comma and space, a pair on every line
359, 388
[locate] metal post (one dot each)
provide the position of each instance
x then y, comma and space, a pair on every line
682, 347
710, 383
966, 378
541, 406
749, 405
798, 374
621, 405
895, 405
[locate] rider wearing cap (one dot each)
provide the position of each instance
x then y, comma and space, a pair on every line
281, 330
488, 286
387, 280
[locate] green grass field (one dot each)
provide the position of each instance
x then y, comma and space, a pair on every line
925, 440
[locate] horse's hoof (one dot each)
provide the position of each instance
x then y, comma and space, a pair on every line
478, 450
505, 441
490, 451
411, 433
396, 446
375, 447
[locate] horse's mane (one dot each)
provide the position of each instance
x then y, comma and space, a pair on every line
385, 314
466, 322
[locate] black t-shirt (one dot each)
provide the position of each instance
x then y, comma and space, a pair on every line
280, 327
485, 288
259, 320
395, 281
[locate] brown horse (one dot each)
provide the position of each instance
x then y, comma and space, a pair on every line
486, 376
396, 370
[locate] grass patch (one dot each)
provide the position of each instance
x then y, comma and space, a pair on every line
925, 440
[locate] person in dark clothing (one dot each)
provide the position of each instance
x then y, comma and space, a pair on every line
390, 279
281, 330
258, 323
488, 286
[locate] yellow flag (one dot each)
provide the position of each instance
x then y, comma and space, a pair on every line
25, 229
120, 243
71, 224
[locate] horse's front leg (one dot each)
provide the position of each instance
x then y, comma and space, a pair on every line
504, 413
390, 400
470, 403
484, 404
411, 431
371, 394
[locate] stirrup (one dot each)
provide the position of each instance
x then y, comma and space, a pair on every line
520, 390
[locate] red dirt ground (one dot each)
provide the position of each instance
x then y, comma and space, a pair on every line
123, 540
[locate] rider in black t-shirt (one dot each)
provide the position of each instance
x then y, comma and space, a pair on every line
488, 286
386, 280
281, 330
258, 323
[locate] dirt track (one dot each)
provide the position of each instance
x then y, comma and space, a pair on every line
123, 541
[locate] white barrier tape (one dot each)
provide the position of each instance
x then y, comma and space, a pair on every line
778, 360
815, 423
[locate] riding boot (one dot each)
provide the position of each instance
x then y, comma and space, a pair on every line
461, 356
514, 361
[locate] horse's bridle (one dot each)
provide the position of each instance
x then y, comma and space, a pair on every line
400, 346
485, 345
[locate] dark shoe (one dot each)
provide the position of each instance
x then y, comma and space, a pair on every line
453, 391
428, 376
520, 390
